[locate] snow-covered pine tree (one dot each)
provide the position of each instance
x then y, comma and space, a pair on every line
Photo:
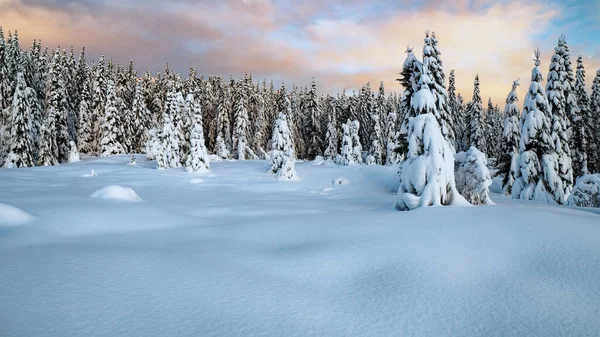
313, 125
594, 160
168, 155
427, 174
331, 135
477, 133
48, 150
180, 115
375, 156
381, 106
511, 135
454, 109
536, 177
582, 139
111, 127
86, 119
346, 150
295, 123
282, 147
560, 124
473, 178
239, 138
197, 161
21, 154
223, 140
393, 155
98, 105
13, 56
408, 79
56, 96
431, 57
143, 117
356, 145
126, 117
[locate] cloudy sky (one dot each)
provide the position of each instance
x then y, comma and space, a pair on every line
342, 43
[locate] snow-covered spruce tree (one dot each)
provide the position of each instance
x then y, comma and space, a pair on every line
111, 127
427, 174
381, 107
98, 104
568, 86
223, 140
375, 156
241, 149
282, 147
168, 155
57, 102
431, 57
408, 79
536, 177
454, 109
511, 135
346, 151
365, 109
559, 125
582, 139
313, 126
126, 117
331, 135
473, 178
48, 151
21, 154
494, 129
356, 145
477, 121
197, 161
594, 160
143, 119
181, 116
86, 120
393, 155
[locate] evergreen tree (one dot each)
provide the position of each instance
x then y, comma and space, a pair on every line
223, 142
366, 109
239, 138
48, 151
594, 162
282, 147
21, 154
559, 122
197, 161
313, 125
143, 117
393, 155
331, 135
376, 149
98, 104
111, 128
356, 145
408, 79
431, 58
86, 119
508, 161
346, 151
477, 122
56, 96
583, 140
536, 177
454, 109
168, 155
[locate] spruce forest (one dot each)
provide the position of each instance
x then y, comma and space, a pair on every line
56, 105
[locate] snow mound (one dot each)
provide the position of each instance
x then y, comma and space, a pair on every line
341, 181
91, 174
196, 181
323, 161
116, 192
586, 192
214, 158
11, 216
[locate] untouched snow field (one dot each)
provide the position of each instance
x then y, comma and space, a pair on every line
238, 253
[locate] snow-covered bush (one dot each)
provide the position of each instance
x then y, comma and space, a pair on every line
473, 178
586, 192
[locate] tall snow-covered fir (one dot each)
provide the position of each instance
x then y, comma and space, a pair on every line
536, 177
511, 135
477, 133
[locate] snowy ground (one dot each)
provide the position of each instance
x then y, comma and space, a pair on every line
238, 253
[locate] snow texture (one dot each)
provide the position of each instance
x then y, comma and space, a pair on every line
116, 192
241, 255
